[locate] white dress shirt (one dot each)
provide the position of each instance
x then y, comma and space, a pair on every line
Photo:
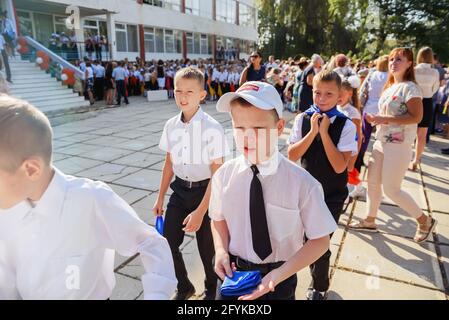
216, 75
428, 79
194, 145
294, 204
63, 246
348, 141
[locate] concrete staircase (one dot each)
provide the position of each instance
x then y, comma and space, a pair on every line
32, 84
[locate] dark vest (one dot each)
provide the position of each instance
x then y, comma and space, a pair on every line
316, 163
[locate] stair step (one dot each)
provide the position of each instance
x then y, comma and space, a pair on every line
34, 90
60, 96
50, 93
60, 102
20, 77
65, 107
36, 83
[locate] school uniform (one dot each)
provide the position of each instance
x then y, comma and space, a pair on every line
343, 134
63, 246
223, 79
99, 72
294, 207
215, 80
192, 146
268, 207
119, 74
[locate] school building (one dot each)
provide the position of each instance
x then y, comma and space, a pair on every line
150, 29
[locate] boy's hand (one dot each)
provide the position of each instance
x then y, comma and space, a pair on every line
324, 125
193, 222
267, 285
158, 208
314, 123
223, 267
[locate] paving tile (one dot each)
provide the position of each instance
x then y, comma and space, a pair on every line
73, 165
143, 179
126, 288
108, 172
393, 256
352, 286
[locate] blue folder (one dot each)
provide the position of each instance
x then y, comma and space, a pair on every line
241, 283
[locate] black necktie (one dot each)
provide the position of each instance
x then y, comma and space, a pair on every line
259, 226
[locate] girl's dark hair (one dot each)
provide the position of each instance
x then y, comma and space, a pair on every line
355, 101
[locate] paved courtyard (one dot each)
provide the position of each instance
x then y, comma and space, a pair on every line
119, 146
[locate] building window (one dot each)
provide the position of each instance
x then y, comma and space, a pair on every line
189, 42
149, 39
60, 24
247, 16
169, 41
157, 3
204, 44
178, 40
173, 5
159, 40
133, 43
126, 38
120, 35
226, 10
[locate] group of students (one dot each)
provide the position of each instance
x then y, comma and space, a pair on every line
64, 45
240, 210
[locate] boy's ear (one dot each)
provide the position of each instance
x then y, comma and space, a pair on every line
33, 168
203, 94
280, 126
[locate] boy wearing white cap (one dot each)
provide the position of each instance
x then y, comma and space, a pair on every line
256, 224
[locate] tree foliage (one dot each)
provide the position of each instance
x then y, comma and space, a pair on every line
367, 28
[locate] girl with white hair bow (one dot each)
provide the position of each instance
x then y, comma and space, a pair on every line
350, 107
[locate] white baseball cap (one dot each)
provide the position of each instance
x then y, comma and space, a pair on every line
260, 94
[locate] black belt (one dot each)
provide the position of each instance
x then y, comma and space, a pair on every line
264, 268
190, 184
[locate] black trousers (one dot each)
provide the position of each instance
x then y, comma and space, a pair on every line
99, 88
6, 62
320, 268
120, 86
283, 291
182, 202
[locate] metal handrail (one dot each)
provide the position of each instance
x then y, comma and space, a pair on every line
36, 45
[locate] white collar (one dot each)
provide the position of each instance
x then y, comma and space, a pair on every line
51, 201
53, 198
266, 168
198, 116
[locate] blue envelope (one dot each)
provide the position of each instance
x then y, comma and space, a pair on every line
241, 283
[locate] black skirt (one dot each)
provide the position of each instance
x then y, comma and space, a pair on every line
427, 113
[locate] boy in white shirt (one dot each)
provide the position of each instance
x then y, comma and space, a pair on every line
262, 204
58, 233
325, 140
195, 146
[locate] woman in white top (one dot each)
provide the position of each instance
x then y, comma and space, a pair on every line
428, 80
371, 90
400, 111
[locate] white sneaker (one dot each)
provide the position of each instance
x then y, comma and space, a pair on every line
359, 191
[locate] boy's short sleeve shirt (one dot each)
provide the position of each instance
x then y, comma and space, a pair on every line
193, 146
294, 204
347, 142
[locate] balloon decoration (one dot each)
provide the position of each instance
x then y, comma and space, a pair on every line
68, 76
22, 46
43, 60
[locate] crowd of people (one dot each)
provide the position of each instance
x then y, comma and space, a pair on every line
261, 215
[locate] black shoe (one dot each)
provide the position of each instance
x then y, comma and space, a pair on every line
208, 295
313, 294
184, 295
445, 151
